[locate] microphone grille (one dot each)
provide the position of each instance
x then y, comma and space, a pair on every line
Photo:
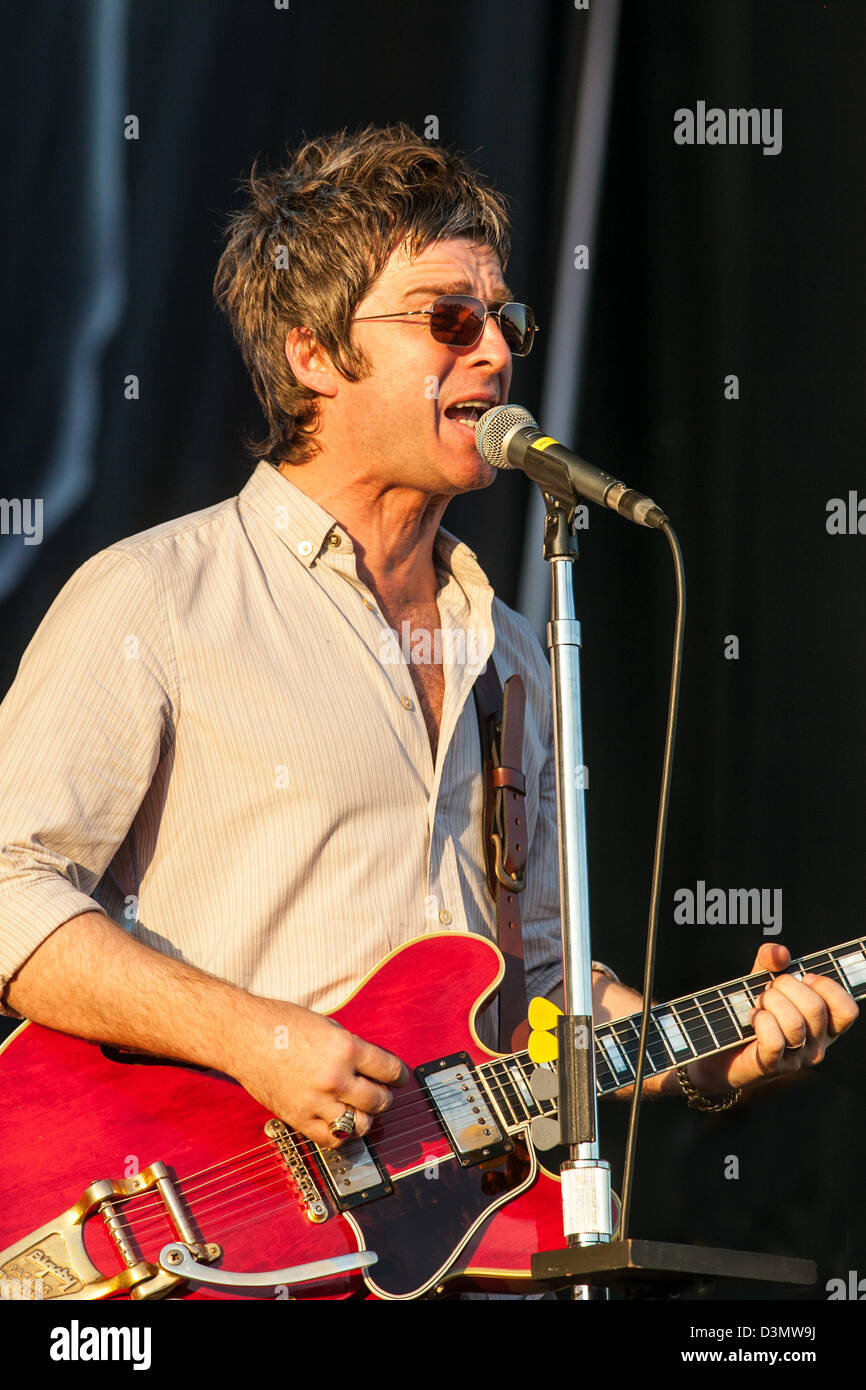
493, 427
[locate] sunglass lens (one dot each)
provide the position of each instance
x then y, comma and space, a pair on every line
457, 320
518, 327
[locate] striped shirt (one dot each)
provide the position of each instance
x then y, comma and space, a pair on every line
214, 738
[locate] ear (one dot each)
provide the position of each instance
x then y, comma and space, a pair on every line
310, 364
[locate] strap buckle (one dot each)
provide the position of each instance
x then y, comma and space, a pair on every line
515, 882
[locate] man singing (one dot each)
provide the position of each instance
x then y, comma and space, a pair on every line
228, 793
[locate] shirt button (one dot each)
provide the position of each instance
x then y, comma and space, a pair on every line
406, 702
334, 540
445, 917
305, 547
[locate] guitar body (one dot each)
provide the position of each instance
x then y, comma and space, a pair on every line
73, 1113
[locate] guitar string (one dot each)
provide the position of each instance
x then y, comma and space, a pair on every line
500, 1064
240, 1200
273, 1160
247, 1207
625, 1031
388, 1152
426, 1129
419, 1101
149, 1206
210, 1208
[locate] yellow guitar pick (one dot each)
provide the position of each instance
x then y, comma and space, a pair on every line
543, 1046
543, 1014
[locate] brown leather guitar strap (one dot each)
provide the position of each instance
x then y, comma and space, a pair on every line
500, 720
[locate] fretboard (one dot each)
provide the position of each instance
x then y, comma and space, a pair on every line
679, 1032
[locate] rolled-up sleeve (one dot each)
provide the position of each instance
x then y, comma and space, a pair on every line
82, 730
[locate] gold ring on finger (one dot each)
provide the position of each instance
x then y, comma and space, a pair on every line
344, 1125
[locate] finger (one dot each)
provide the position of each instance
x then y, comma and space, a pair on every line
772, 955
362, 1124
379, 1065
808, 1002
770, 1043
361, 1094
842, 1010
797, 1029
320, 1130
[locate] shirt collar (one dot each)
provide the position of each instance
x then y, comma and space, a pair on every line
304, 527
299, 522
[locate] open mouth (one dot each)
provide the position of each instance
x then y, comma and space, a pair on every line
467, 413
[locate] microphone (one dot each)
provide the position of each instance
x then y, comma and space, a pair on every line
508, 437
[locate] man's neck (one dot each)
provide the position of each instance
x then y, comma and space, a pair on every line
393, 530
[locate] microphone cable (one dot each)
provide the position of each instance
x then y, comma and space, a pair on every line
658, 857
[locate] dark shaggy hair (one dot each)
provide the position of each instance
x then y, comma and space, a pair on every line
313, 238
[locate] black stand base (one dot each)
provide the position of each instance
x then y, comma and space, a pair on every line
625, 1262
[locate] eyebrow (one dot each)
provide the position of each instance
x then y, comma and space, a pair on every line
502, 296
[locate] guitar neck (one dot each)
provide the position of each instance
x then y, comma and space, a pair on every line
697, 1025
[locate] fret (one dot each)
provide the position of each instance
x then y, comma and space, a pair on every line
709, 1026
487, 1080
676, 1034
741, 1003
627, 1034
522, 1096
725, 1025
617, 1060
694, 1025
605, 1077
514, 1083
758, 983
821, 964
658, 1052
851, 971
539, 1104
501, 1088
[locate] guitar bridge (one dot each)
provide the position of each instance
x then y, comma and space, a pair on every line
302, 1179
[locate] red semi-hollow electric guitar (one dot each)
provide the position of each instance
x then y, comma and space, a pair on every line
171, 1176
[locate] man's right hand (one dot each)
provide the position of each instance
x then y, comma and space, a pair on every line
308, 1070
92, 979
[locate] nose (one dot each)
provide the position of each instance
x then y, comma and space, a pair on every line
491, 347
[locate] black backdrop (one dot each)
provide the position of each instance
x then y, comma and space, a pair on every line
707, 261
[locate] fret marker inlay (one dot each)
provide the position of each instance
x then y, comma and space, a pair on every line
854, 966
673, 1033
617, 1061
742, 1007
517, 1078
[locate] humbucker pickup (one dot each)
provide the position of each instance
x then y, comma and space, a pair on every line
354, 1174
463, 1108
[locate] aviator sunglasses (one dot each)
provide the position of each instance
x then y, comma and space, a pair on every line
458, 320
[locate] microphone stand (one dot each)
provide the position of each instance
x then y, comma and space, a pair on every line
585, 1176
591, 1252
